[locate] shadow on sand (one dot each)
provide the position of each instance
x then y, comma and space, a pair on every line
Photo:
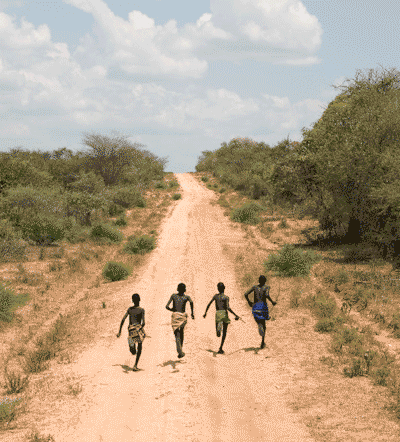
171, 363
126, 368
255, 349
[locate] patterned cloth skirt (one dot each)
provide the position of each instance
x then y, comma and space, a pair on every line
136, 334
260, 311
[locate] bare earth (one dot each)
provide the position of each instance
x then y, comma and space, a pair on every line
243, 395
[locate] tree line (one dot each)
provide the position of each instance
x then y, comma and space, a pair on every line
344, 172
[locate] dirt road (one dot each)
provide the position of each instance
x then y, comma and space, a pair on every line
204, 396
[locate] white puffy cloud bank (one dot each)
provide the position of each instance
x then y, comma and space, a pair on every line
44, 84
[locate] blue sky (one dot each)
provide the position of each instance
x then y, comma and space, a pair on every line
181, 77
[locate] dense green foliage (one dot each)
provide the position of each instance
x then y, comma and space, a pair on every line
140, 245
116, 271
345, 170
106, 232
49, 196
247, 214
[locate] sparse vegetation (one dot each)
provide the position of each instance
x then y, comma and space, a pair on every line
106, 232
140, 245
247, 214
176, 196
204, 179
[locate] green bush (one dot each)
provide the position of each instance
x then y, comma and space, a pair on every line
215, 185
14, 382
283, 224
160, 185
42, 229
380, 375
8, 409
173, 184
394, 324
127, 197
6, 303
222, 190
204, 179
247, 214
121, 221
209, 186
36, 437
116, 271
103, 231
326, 325
12, 249
355, 370
290, 261
140, 245
115, 209
176, 196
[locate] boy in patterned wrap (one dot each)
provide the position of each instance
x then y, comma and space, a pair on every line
135, 329
259, 306
179, 316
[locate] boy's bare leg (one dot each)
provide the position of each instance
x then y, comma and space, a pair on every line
133, 349
139, 352
218, 328
220, 351
261, 328
178, 342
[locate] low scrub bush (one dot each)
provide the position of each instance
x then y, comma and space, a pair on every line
209, 186
215, 185
15, 382
290, 261
247, 214
176, 196
36, 437
127, 197
55, 266
394, 324
6, 303
172, 184
160, 185
42, 229
12, 249
326, 325
222, 190
116, 271
204, 179
356, 369
121, 221
115, 209
104, 231
140, 245
37, 360
9, 409
380, 375
74, 263
283, 224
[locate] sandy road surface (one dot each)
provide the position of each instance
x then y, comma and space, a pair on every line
204, 396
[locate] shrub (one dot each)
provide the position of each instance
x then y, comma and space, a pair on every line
12, 249
326, 325
204, 179
176, 196
160, 185
222, 190
6, 303
247, 214
140, 245
342, 277
395, 322
36, 437
74, 263
173, 184
116, 271
121, 221
37, 360
283, 224
295, 299
42, 229
55, 267
8, 409
215, 185
15, 382
380, 375
291, 261
103, 231
115, 209
209, 186
355, 370
126, 197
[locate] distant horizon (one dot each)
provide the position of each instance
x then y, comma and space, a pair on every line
181, 77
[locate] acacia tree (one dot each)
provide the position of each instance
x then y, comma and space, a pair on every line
349, 149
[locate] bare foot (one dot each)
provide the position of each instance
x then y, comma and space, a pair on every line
135, 368
181, 355
262, 345
221, 352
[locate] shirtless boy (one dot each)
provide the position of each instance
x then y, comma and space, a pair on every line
259, 306
221, 314
135, 328
179, 316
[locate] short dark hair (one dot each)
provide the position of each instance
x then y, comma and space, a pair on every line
262, 279
181, 287
221, 287
136, 298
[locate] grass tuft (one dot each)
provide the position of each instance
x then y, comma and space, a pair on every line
116, 271
140, 245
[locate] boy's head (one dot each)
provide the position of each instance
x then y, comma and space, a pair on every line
221, 287
181, 288
262, 279
136, 299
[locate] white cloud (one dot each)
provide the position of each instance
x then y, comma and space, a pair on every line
24, 37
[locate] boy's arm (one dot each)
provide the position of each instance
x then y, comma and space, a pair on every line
122, 323
246, 295
208, 306
269, 298
230, 310
167, 306
143, 323
191, 305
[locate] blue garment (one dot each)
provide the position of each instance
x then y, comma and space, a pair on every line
260, 311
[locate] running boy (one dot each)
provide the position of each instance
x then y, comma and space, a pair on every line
259, 306
221, 314
179, 317
135, 329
